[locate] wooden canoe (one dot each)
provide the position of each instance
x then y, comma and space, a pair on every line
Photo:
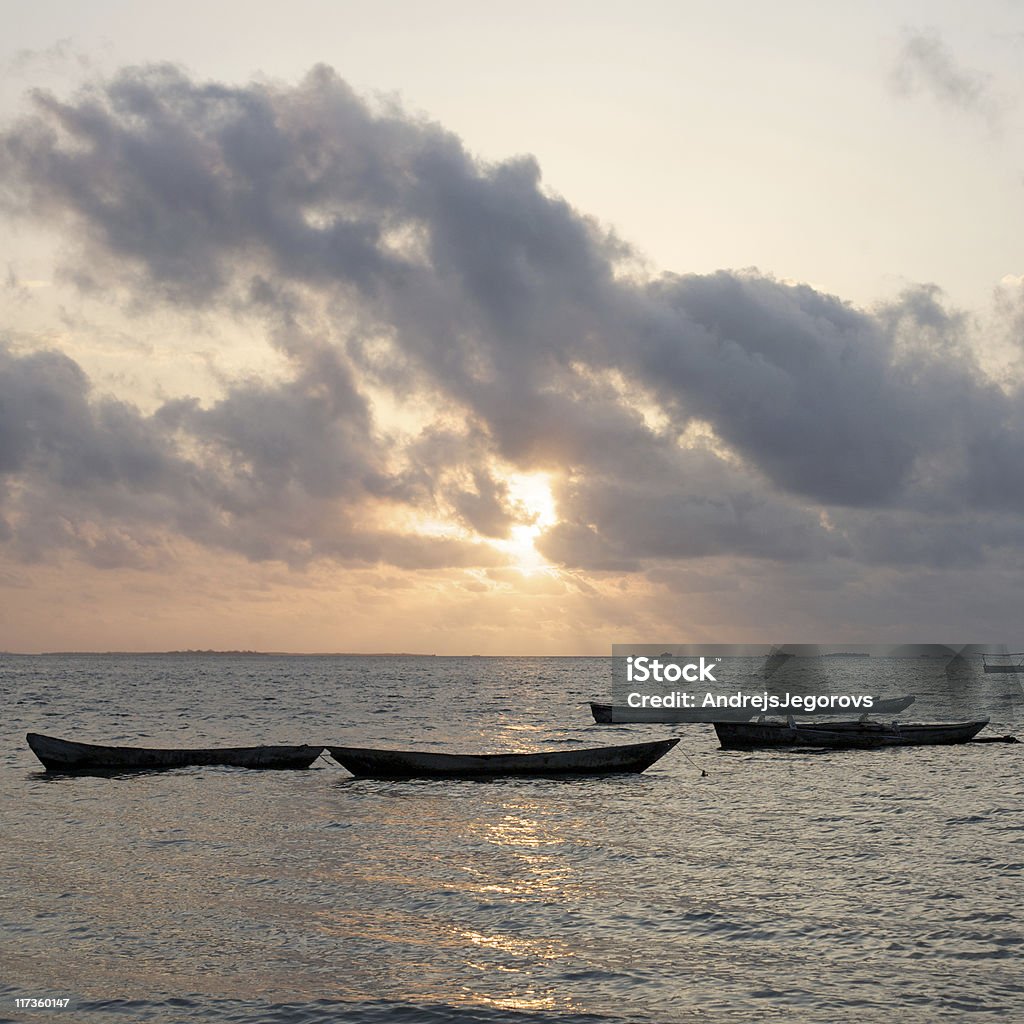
622, 714
842, 735
409, 764
67, 756
1004, 665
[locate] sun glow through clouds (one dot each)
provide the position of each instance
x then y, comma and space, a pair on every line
532, 491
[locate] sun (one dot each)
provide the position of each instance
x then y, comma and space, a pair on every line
532, 491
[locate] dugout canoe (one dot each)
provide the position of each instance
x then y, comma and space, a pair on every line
67, 756
410, 764
1004, 665
622, 714
844, 735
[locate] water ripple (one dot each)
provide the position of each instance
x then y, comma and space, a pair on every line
825, 888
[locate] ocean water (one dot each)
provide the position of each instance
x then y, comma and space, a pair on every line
779, 886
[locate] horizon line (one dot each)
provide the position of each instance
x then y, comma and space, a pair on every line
283, 654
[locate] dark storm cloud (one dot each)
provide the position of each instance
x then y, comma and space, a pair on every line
313, 431
374, 250
261, 473
485, 506
47, 420
804, 386
676, 504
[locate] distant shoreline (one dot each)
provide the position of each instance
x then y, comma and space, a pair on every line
221, 654
273, 654
898, 654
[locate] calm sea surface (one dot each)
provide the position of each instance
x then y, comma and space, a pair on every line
843, 886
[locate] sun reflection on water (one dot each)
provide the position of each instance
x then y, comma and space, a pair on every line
517, 946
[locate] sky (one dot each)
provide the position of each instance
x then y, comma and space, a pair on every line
457, 329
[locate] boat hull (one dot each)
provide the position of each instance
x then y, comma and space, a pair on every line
622, 714
891, 705
59, 755
406, 764
842, 735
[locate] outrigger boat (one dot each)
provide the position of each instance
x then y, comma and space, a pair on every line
411, 764
860, 734
1003, 666
622, 714
67, 756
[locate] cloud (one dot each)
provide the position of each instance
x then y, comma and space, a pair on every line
679, 417
58, 57
925, 64
281, 472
